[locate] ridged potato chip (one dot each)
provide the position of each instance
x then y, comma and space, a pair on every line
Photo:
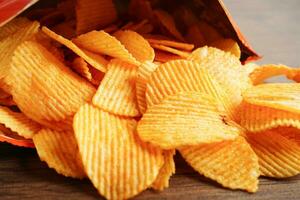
91, 15
45, 89
136, 45
182, 75
117, 92
60, 151
278, 156
102, 43
228, 45
95, 60
166, 171
280, 96
18, 123
233, 164
226, 69
144, 72
172, 50
171, 43
167, 22
261, 73
259, 118
117, 162
13, 26
290, 133
82, 68
186, 118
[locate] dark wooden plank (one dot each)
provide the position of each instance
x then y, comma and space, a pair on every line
272, 27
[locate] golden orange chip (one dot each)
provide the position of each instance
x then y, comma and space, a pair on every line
82, 68
259, 118
167, 170
18, 122
117, 162
45, 89
97, 76
182, 75
226, 69
174, 44
181, 53
162, 56
281, 96
195, 36
93, 59
136, 45
13, 26
167, 22
102, 43
185, 119
117, 92
60, 151
228, 45
233, 164
259, 74
209, 32
91, 15
290, 133
144, 72
278, 156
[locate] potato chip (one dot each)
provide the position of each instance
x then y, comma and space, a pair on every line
97, 76
278, 156
259, 74
117, 162
55, 91
93, 59
162, 56
144, 72
181, 53
228, 45
8, 101
81, 67
18, 122
281, 96
226, 69
233, 164
13, 26
181, 75
65, 29
167, 22
60, 151
3, 94
290, 133
117, 93
102, 43
209, 32
91, 15
195, 36
167, 170
136, 45
259, 118
185, 119
174, 44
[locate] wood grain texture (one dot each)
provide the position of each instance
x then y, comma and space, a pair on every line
273, 30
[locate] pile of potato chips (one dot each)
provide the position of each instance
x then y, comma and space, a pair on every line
112, 100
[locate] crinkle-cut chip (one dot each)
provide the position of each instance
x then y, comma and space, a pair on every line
281, 96
167, 22
228, 45
144, 72
60, 151
91, 15
97, 76
117, 92
261, 73
55, 91
82, 68
233, 164
185, 119
102, 43
93, 59
182, 75
259, 118
195, 36
18, 122
166, 171
8, 101
136, 45
209, 32
181, 53
171, 43
10, 43
13, 26
226, 69
278, 156
162, 56
117, 162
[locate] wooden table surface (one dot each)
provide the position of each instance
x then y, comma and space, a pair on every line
273, 30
